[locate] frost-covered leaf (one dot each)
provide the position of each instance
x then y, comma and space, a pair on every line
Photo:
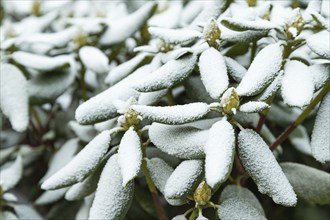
122, 28
94, 59
61, 157
11, 175
50, 196
82, 164
150, 98
8, 215
41, 63
213, 72
253, 106
179, 140
294, 93
179, 217
262, 71
47, 87
196, 91
178, 114
263, 168
184, 179
321, 136
167, 75
244, 25
84, 133
319, 43
236, 208
176, 54
272, 88
154, 152
82, 189
219, 153
174, 36
112, 200
310, 184
130, 155
27, 211
235, 70
241, 36
101, 108
234, 191
299, 138
14, 96
320, 20
83, 212
320, 74
124, 69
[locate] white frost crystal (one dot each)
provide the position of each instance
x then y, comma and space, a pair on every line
213, 71
310, 184
130, 155
262, 71
219, 152
321, 136
112, 200
262, 166
179, 140
14, 96
82, 164
297, 93
178, 114
94, 59
184, 179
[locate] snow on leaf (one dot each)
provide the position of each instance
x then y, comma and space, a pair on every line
26, 211
130, 155
169, 17
320, 136
262, 71
297, 93
241, 36
167, 75
184, 179
263, 168
310, 184
272, 88
253, 106
178, 114
196, 91
84, 133
50, 196
176, 54
14, 96
61, 157
112, 200
244, 25
179, 217
219, 153
94, 59
234, 191
11, 175
124, 69
213, 72
82, 164
120, 30
319, 43
101, 108
320, 74
9, 215
151, 98
235, 70
299, 138
82, 189
179, 140
47, 87
174, 36
40, 62
236, 208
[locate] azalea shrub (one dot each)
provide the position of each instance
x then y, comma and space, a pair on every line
165, 110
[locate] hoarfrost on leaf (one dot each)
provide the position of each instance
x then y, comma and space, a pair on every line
320, 74
178, 114
219, 153
82, 164
262, 71
263, 168
213, 71
174, 36
253, 106
94, 59
129, 155
235, 70
319, 43
11, 175
321, 137
244, 25
14, 96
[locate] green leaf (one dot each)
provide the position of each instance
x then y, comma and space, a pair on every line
14, 96
310, 184
112, 200
263, 168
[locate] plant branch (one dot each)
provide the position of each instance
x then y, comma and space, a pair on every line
282, 137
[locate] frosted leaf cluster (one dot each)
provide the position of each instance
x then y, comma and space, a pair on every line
128, 108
